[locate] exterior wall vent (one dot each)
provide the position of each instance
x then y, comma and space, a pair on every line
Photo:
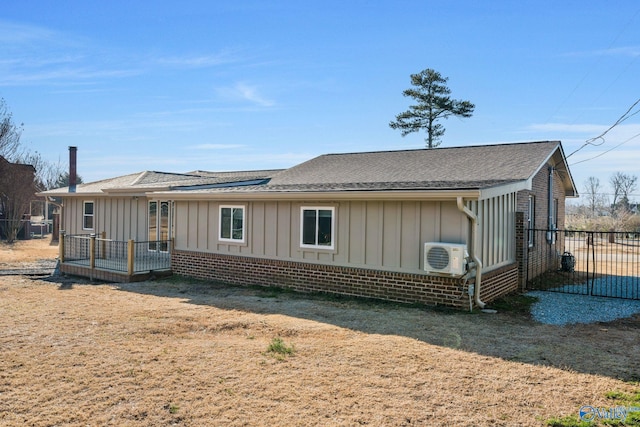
445, 258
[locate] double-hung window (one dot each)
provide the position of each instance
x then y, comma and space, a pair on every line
87, 215
232, 220
531, 223
317, 227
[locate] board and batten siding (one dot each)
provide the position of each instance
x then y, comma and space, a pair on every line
496, 230
121, 218
385, 235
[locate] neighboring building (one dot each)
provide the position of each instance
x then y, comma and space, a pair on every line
17, 191
353, 224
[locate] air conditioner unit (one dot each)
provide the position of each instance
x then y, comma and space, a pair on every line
445, 258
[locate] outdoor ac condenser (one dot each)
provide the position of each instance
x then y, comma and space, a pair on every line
445, 258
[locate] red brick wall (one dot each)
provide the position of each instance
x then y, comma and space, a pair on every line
499, 283
543, 255
307, 277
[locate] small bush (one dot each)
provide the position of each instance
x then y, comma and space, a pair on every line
172, 407
278, 347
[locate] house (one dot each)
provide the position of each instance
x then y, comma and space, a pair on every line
17, 191
361, 224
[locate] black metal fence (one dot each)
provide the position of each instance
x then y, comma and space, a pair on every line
116, 255
111, 254
584, 262
77, 247
146, 259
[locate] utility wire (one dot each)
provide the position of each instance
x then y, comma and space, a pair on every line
600, 137
605, 152
622, 118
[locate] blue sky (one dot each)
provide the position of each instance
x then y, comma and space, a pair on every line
239, 85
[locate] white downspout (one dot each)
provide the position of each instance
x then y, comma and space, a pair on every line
473, 220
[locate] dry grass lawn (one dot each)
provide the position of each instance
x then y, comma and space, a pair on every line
179, 352
26, 252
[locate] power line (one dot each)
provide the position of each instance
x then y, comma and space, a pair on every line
605, 152
622, 118
600, 137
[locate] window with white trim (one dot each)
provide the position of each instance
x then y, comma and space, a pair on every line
87, 215
159, 214
317, 227
232, 221
531, 223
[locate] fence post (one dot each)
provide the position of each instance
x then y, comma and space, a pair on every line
92, 255
130, 255
62, 233
92, 251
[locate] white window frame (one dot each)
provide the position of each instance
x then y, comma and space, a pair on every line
156, 241
332, 209
244, 223
531, 220
92, 215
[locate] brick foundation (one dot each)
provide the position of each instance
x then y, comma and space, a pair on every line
498, 283
308, 277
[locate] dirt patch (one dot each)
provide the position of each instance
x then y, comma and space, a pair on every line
179, 352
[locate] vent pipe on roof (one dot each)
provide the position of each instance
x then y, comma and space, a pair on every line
72, 169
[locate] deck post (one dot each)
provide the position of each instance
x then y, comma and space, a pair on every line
62, 233
92, 251
130, 254
92, 255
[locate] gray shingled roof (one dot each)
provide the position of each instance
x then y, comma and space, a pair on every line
238, 175
455, 168
470, 167
150, 180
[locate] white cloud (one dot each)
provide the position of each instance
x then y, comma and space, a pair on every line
33, 55
200, 61
20, 34
66, 74
244, 92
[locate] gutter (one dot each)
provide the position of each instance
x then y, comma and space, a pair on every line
432, 195
473, 221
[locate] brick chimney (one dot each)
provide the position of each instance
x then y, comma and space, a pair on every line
72, 169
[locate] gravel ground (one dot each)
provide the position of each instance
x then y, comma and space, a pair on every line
557, 308
43, 267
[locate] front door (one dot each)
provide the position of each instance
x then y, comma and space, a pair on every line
159, 225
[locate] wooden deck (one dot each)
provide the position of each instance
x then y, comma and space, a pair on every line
115, 269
